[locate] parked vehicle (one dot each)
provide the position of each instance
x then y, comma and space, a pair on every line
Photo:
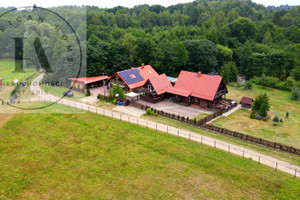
68, 94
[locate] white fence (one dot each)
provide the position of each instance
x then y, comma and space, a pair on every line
218, 144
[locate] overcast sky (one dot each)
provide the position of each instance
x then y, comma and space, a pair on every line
126, 3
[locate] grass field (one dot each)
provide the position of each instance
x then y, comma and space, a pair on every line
291, 158
287, 132
58, 91
7, 68
84, 156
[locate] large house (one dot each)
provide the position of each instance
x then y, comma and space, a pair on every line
197, 89
156, 88
132, 80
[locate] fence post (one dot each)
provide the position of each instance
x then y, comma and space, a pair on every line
167, 129
243, 154
147, 124
258, 160
201, 140
129, 119
276, 166
189, 136
96, 111
295, 176
112, 114
178, 132
104, 112
228, 148
120, 117
215, 144
156, 127
137, 121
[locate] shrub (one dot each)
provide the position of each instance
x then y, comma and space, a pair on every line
100, 97
155, 114
178, 117
252, 115
87, 92
195, 120
261, 105
281, 120
248, 85
275, 120
115, 101
295, 94
287, 114
148, 111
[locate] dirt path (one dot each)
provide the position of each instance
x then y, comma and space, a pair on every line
225, 146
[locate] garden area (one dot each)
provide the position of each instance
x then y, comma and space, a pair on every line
285, 132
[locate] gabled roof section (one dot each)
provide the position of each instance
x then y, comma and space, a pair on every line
160, 83
131, 76
179, 92
145, 71
87, 80
199, 85
247, 100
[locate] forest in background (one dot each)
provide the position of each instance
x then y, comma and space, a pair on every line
220, 37
226, 37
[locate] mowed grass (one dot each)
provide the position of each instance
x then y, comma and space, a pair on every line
84, 156
59, 91
287, 133
291, 158
7, 68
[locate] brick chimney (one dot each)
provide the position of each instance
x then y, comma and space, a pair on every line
142, 66
198, 74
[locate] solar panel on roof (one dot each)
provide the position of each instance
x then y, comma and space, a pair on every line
127, 76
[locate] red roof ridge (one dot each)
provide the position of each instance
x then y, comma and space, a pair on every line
204, 86
87, 80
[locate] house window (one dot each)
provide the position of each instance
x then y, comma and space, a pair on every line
132, 76
150, 72
149, 87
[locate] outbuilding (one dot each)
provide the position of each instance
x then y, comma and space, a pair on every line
87, 82
246, 102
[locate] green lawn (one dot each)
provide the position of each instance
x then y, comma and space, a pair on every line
84, 156
287, 132
58, 91
7, 68
291, 158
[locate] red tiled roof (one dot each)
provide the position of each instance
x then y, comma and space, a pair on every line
247, 100
160, 83
199, 85
146, 72
87, 80
177, 91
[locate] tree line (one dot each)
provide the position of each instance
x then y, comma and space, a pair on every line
220, 37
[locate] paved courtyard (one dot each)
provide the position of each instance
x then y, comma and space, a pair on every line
173, 108
99, 90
